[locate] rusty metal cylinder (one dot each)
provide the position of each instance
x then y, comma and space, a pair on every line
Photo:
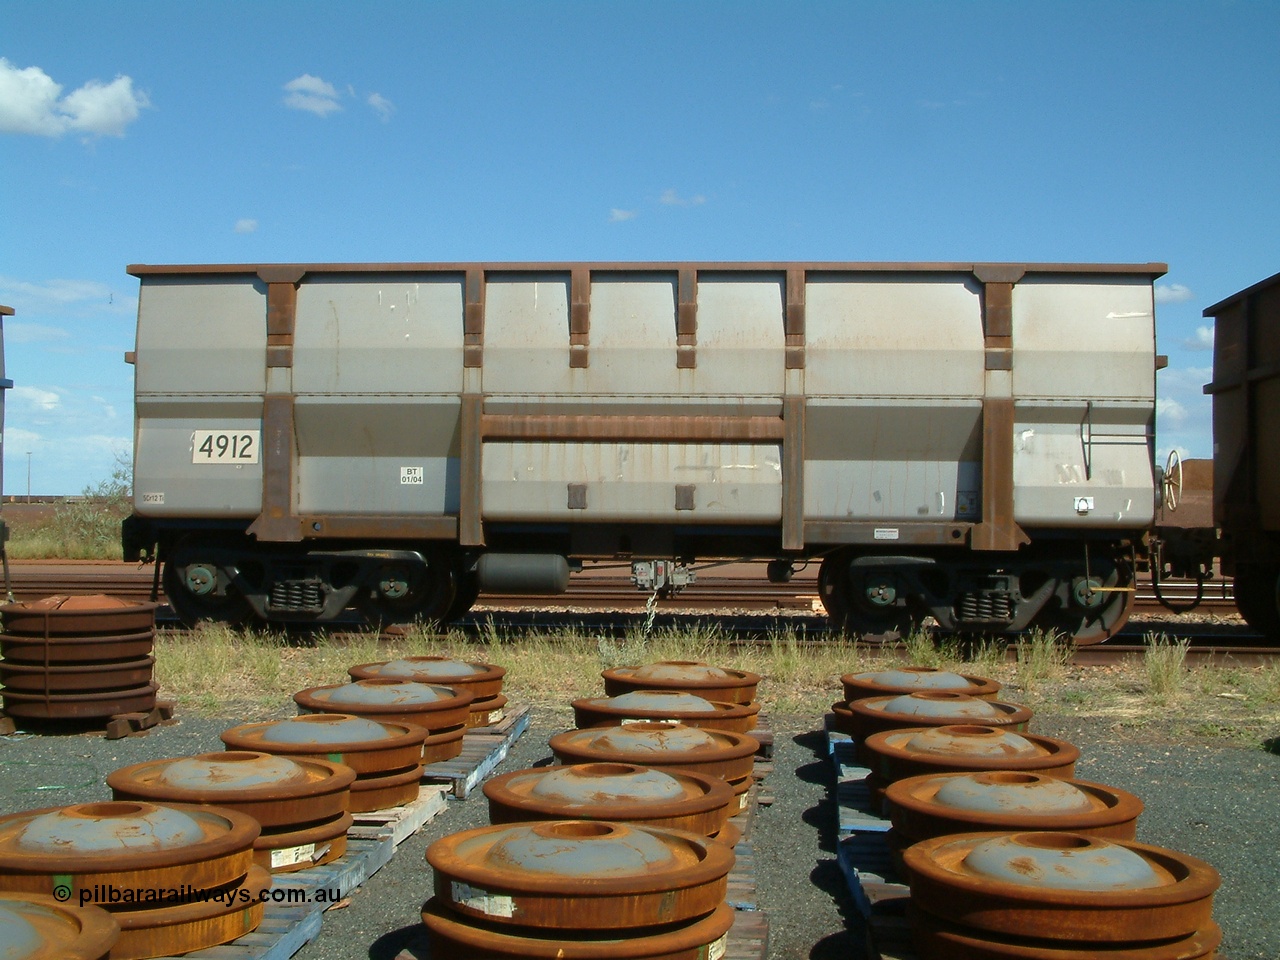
929, 708
579, 874
301, 804
77, 658
913, 751
38, 927
935, 805
441, 711
687, 708
692, 676
152, 866
667, 745
612, 791
482, 680
913, 679
462, 938
1061, 886
386, 756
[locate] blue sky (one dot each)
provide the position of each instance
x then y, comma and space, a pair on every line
180, 132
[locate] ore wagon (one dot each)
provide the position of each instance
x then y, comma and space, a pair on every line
967, 441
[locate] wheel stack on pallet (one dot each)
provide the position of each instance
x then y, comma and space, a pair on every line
975, 842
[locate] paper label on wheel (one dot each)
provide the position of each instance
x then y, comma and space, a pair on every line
288, 856
490, 904
716, 951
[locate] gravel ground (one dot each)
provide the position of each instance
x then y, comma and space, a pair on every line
1216, 802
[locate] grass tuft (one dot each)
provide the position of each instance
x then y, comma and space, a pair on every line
1165, 663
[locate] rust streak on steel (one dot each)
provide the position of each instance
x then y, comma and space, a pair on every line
657, 429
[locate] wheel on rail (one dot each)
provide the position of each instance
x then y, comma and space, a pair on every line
466, 590
1093, 605
1257, 592
864, 602
405, 591
199, 589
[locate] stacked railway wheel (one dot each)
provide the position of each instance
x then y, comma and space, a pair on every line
915, 679
77, 658
690, 676
1058, 896
38, 927
441, 711
578, 889
618, 792
174, 878
913, 751
386, 756
301, 804
687, 708
935, 805
665, 745
861, 719
482, 680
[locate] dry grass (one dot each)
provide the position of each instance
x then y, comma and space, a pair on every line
220, 672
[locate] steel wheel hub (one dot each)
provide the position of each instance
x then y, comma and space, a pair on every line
859, 686
711, 683
670, 746
665, 705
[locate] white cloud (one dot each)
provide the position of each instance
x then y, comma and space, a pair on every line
33, 333
617, 215
382, 106
35, 398
63, 297
311, 94
31, 102
1173, 293
1203, 339
246, 225
1170, 411
671, 198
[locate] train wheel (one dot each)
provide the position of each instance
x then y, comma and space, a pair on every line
864, 603
406, 591
467, 589
195, 595
1257, 592
1098, 605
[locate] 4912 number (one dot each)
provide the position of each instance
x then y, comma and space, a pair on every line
225, 446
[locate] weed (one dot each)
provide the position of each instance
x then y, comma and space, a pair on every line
1042, 658
1165, 664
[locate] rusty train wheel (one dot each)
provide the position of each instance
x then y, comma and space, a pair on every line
80, 706
1095, 607
711, 683
1061, 886
75, 650
487, 712
932, 708
38, 926
126, 844
394, 788
939, 804
612, 791
898, 754
912, 679
938, 940
276, 791
579, 874
396, 699
688, 709
74, 678
369, 747
461, 938
481, 679
284, 851
96, 615
184, 927
662, 744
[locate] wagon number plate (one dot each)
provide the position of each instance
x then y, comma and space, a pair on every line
225, 446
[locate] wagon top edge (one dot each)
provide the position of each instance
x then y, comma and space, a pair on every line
1222, 305
5, 311
985, 271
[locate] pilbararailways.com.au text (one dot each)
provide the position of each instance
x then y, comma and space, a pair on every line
102, 894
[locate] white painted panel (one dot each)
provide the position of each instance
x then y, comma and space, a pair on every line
165, 481
892, 490
1077, 337
632, 481
526, 335
201, 336
1054, 466
398, 333
632, 339
894, 336
741, 336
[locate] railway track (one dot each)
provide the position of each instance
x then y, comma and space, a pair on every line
738, 596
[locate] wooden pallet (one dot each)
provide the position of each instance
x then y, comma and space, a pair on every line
862, 852
483, 748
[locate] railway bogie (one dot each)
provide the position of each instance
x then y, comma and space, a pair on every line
971, 442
